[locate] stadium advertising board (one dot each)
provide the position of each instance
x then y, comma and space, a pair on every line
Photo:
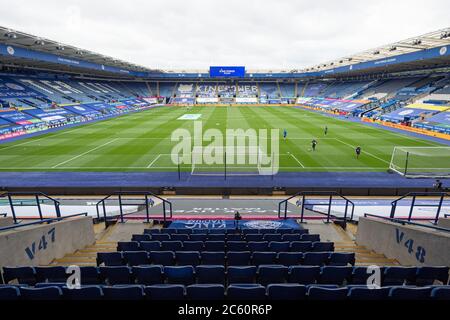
232, 72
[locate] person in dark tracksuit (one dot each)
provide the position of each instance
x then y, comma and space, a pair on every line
358, 152
326, 130
313, 144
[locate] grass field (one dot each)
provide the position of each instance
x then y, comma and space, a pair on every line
141, 141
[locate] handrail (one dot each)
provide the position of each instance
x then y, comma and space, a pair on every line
9, 195
414, 195
15, 226
167, 205
403, 222
3, 215
303, 194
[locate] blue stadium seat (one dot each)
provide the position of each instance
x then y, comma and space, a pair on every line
268, 231
218, 231
50, 284
193, 246
169, 231
185, 231
364, 293
286, 291
160, 237
135, 258
199, 231
301, 246
188, 258
335, 275
23, 275
323, 246
284, 231
210, 274
124, 292
397, 276
165, 292
254, 237
180, 237
342, 258
140, 237
279, 246
410, 293
152, 231
272, 237
205, 292
150, 246
246, 292
148, 275
439, 293
237, 246
216, 258
165, 258
128, 246
249, 231
48, 293
272, 274
83, 293
116, 275
323, 293
51, 274
217, 237
261, 246
360, 275
310, 237
234, 237
241, 274
426, 276
290, 258
266, 257
171, 246
215, 245
180, 274
315, 258
300, 231
238, 258
89, 275
304, 274
9, 293
199, 237
109, 258
291, 237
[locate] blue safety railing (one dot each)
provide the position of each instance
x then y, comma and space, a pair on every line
413, 195
167, 205
16, 226
38, 201
282, 206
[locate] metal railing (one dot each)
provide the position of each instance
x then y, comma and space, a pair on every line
16, 226
441, 196
329, 215
167, 205
37, 196
404, 222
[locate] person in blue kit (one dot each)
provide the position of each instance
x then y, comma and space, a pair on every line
284, 134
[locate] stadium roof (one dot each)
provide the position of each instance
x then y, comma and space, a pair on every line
35, 43
427, 41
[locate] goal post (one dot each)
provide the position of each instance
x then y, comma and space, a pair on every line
421, 162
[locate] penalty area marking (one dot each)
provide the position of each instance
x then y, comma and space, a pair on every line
295, 158
85, 153
370, 154
154, 160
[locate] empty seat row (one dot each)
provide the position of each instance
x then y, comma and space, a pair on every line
226, 237
264, 274
225, 231
170, 258
236, 292
295, 246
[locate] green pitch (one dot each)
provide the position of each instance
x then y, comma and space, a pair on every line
142, 141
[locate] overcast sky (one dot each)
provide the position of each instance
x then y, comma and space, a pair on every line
194, 34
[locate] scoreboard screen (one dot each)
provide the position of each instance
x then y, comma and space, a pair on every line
230, 72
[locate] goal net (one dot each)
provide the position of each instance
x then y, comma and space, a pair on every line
421, 162
224, 162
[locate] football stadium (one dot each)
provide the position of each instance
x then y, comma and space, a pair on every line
227, 183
